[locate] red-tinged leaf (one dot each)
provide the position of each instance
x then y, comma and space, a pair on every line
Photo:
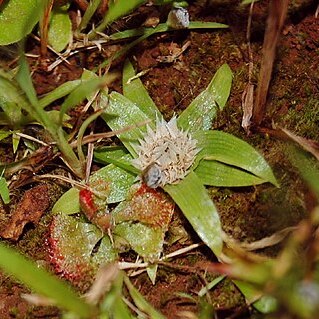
78, 249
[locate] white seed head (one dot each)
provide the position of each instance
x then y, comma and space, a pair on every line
165, 155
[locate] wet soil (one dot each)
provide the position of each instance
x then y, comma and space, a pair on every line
247, 214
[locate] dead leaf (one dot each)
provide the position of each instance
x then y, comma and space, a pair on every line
31, 207
247, 105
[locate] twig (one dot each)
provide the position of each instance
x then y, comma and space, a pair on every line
275, 21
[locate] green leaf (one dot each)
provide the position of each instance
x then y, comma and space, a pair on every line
4, 190
248, 1
121, 112
25, 81
74, 250
60, 28
17, 19
79, 94
88, 14
203, 109
61, 91
206, 25
42, 282
214, 173
163, 27
117, 9
114, 155
119, 182
4, 134
192, 198
307, 167
68, 203
263, 303
140, 302
228, 149
15, 142
134, 90
11, 102
210, 285
147, 241
152, 272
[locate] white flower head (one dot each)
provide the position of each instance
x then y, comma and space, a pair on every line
165, 155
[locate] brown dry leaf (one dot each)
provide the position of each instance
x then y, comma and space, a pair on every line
247, 105
33, 204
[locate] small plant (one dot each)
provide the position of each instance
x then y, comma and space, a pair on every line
179, 157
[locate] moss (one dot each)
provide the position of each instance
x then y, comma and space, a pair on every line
304, 120
227, 296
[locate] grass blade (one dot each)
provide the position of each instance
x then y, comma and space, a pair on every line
228, 149
24, 79
202, 110
61, 91
192, 198
42, 282
140, 302
79, 94
163, 27
88, 14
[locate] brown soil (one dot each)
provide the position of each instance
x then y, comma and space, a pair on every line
246, 213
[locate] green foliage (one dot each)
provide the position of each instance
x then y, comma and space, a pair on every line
4, 190
192, 198
42, 282
17, 19
248, 1
60, 29
203, 109
222, 148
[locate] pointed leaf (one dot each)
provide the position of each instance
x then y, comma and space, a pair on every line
228, 149
79, 94
121, 112
203, 109
4, 134
134, 90
215, 173
61, 91
192, 198
140, 302
25, 81
263, 303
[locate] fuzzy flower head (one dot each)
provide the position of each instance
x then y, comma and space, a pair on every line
165, 155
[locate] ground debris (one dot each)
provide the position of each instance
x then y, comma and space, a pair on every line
31, 207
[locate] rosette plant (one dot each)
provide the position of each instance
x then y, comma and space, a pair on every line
158, 165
